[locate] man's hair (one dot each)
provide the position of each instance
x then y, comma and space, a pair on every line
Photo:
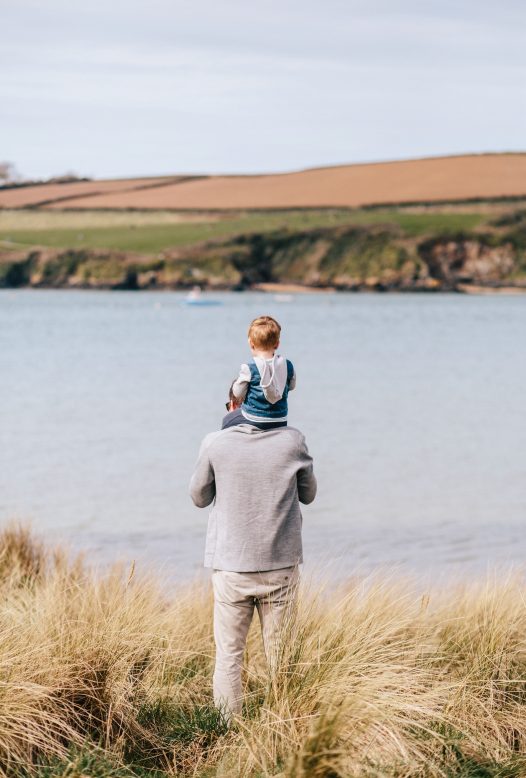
264, 332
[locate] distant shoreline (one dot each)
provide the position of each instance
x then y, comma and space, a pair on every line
462, 249
277, 288
236, 265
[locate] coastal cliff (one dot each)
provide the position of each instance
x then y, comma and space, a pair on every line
376, 257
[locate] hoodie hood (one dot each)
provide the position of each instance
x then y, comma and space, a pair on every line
273, 374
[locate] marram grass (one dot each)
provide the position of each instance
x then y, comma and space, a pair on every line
109, 674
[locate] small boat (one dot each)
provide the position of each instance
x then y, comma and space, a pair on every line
283, 298
196, 297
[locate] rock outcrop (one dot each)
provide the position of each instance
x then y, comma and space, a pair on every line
460, 261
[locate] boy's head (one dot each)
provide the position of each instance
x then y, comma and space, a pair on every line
264, 333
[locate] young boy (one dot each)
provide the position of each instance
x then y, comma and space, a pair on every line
265, 381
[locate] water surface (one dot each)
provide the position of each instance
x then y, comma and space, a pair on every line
412, 406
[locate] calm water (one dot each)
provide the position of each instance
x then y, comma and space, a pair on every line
413, 407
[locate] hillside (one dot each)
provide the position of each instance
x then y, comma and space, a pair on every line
468, 177
457, 223
405, 249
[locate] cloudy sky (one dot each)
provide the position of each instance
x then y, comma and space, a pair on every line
136, 88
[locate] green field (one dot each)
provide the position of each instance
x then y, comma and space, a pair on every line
148, 232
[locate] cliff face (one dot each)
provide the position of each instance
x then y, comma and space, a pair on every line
469, 261
348, 258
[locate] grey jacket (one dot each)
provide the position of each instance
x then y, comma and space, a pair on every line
256, 480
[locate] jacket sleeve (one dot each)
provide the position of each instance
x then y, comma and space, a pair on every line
202, 483
240, 385
307, 485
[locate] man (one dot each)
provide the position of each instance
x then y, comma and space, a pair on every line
256, 477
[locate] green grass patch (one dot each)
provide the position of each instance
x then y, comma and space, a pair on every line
90, 762
178, 735
152, 238
183, 725
422, 223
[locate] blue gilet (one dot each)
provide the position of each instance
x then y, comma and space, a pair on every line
256, 404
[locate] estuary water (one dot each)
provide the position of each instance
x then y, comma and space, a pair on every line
413, 407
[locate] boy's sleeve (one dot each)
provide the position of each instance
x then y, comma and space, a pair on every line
241, 383
202, 483
307, 485
291, 371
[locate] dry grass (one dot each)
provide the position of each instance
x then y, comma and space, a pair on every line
108, 675
35, 220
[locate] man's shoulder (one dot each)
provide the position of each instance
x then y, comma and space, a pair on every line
244, 440
247, 434
209, 439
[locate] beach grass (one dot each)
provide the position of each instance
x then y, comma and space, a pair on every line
108, 673
152, 232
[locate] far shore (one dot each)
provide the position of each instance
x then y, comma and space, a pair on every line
396, 249
277, 288
477, 289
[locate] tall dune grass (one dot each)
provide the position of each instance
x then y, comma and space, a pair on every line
109, 674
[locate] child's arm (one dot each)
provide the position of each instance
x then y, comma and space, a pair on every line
240, 385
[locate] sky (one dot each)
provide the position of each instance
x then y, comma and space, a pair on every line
115, 89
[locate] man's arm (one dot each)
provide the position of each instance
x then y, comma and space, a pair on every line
307, 485
202, 483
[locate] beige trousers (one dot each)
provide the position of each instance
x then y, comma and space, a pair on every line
273, 593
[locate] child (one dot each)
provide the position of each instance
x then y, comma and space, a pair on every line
264, 383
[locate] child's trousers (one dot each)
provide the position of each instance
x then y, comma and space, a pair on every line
273, 593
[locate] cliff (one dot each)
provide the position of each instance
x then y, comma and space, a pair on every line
371, 257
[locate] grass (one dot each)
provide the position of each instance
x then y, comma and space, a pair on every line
153, 232
109, 674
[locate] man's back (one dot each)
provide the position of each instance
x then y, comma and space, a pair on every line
257, 479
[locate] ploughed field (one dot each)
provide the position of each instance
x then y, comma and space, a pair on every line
434, 179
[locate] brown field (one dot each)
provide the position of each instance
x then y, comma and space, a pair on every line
458, 178
25, 196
